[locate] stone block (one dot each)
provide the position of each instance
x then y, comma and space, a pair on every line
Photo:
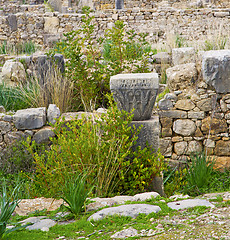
5, 127
184, 127
30, 118
194, 147
216, 70
183, 55
53, 113
166, 132
196, 115
148, 133
206, 104
173, 114
43, 135
165, 146
222, 162
12, 22
161, 58
180, 148
184, 104
213, 126
165, 104
166, 122
135, 91
222, 148
181, 76
51, 25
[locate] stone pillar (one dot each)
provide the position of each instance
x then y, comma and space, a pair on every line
138, 92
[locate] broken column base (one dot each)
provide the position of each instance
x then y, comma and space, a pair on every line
150, 132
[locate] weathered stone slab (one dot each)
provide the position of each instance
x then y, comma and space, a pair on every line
132, 210
173, 114
5, 127
206, 104
180, 148
196, 115
11, 137
216, 70
130, 232
161, 57
30, 118
149, 132
183, 55
165, 104
43, 225
184, 127
188, 203
135, 91
194, 147
181, 76
12, 22
53, 112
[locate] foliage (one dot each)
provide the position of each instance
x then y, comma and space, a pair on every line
144, 165
174, 180
7, 207
27, 47
179, 41
54, 89
91, 68
200, 172
102, 147
75, 193
215, 44
11, 98
162, 94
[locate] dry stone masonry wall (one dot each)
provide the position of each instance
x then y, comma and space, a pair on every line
195, 115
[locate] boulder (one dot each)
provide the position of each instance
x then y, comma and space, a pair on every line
132, 210
30, 118
194, 147
188, 203
13, 72
165, 104
43, 135
183, 55
53, 112
216, 70
181, 76
180, 148
213, 125
184, 127
184, 104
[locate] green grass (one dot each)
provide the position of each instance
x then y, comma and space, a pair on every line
27, 47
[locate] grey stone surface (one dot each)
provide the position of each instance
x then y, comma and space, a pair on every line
8, 118
216, 70
171, 96
165, 104
2, 109
184, 127
196, 115
30, 118
129, 232
135, 91
183, 204
132, 210
184, 104
43, 135
149, 132
194, 147
12, 22
145, 196
161, 57
183, 55
206, 104
5, 127
43, 224
181, 76
180, 148
165, 146
53, 112
11, 137
173, 114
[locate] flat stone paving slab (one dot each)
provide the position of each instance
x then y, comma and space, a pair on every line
188, 203
131, 210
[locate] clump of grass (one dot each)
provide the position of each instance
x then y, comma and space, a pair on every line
27, 47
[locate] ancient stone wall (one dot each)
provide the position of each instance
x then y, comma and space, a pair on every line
195, 115
191, 24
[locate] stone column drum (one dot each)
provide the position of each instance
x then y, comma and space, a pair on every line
138, 92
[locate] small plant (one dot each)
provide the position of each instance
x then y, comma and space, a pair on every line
179, 41
200, 171
215, 44
19, 48
75, 193
7, 206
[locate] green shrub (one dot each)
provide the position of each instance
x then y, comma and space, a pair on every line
90, 67
102, 148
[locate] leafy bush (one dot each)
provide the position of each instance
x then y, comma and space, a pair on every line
102, 148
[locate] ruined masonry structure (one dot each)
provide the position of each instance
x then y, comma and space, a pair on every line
138, 92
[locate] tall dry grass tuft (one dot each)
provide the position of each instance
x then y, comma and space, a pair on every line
55, 88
